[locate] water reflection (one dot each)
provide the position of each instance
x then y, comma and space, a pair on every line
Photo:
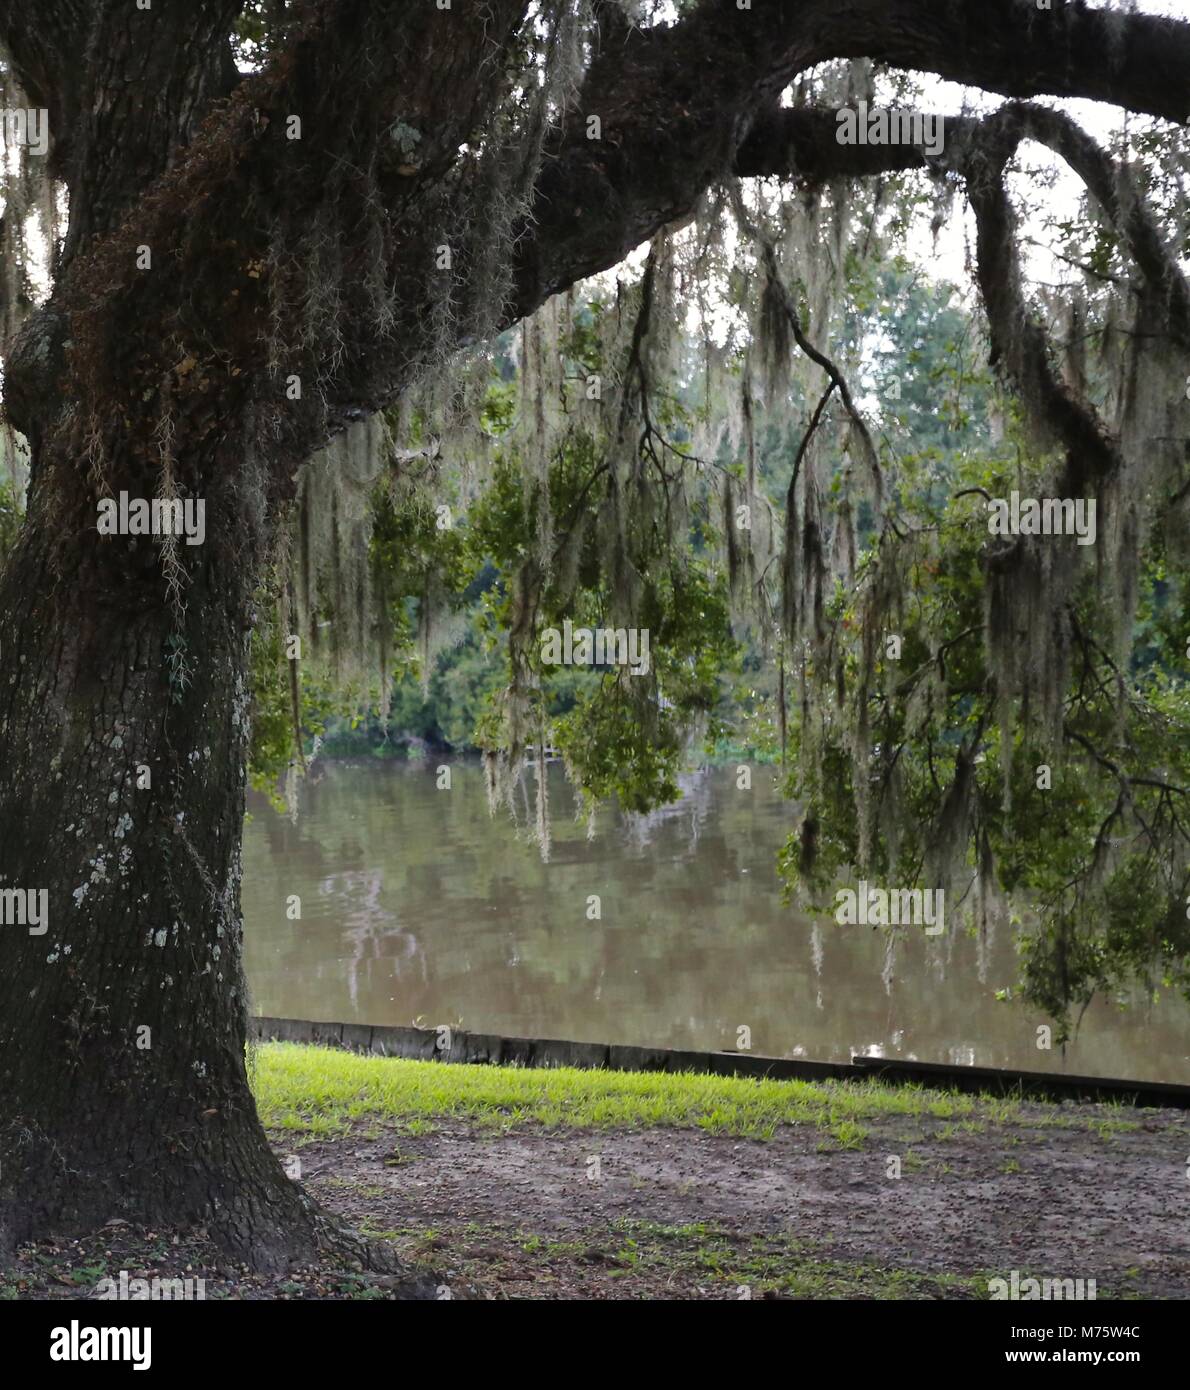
416, 904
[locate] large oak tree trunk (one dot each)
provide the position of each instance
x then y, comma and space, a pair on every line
124, 725
124, 683
123, 728
124, 720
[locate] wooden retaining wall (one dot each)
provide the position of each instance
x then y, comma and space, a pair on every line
455, 1045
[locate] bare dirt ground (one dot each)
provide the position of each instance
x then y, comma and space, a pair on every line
689, 1214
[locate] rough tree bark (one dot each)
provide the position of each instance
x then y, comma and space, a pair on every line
123, 702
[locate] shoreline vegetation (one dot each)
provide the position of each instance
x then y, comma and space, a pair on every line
553, 1183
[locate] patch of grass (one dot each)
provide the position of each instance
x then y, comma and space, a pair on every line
649, 1259
780, 1264
1107, 1128
358, 1189
324, 1092
848, 1135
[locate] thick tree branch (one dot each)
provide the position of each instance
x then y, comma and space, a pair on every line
802, 142
1140, 62
677, 105
1112, 187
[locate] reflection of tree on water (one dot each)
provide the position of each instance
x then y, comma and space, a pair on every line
370, 927
816, 961
888, 970
695, 807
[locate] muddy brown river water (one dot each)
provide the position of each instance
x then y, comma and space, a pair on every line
418, 905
